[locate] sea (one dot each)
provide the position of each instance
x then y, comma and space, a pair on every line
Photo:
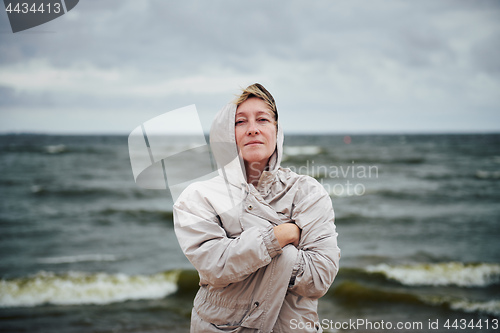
83, 248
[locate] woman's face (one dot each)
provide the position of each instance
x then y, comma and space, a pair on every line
255, 131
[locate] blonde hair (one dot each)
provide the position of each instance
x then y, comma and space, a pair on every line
258, 90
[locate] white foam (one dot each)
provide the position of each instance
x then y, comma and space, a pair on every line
441, 274
85, 288
302, 150
487, 174
491, 307
55, 149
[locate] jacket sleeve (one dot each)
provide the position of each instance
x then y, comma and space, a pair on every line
318, 254
219, 259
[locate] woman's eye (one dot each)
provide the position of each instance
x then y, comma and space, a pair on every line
239, 122
263, 119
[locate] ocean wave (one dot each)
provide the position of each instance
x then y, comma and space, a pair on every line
441, 274
355, 293
45, 191
73, 288
396, 194
143, 214
491, 307
302, 150
482, 174
55, 149
351, 217
377, 160
77, 258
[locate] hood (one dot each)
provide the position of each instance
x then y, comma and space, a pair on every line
225, 151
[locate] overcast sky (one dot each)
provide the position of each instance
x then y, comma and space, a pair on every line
390, 66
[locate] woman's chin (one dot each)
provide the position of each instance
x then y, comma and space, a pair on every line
256, 161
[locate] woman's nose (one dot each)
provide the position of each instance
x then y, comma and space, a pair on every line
252, 128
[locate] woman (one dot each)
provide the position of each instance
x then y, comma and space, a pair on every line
262, 237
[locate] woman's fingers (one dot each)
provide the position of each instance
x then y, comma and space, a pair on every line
287, 233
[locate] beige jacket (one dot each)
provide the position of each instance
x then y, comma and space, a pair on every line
225, 228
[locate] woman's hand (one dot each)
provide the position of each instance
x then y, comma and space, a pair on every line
287, 233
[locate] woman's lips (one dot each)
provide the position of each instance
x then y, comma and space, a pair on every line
252, 143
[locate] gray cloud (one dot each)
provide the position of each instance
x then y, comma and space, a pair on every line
348, 66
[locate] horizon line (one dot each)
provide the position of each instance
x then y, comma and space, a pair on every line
297, 133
